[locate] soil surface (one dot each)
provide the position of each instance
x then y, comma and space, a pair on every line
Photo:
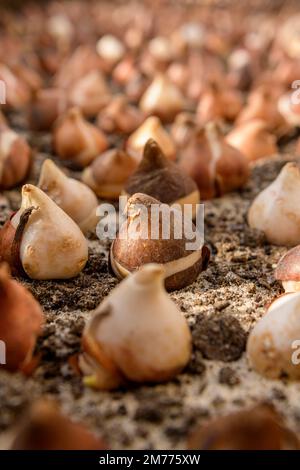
221, 307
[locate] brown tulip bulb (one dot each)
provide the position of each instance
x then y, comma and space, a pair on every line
262, 104
90, 93
109, 172
46, 106
30, 77
288, 270
125, 71
161, 179
134, 247
16, 90
15, 158
218, 103
76, 140
216, 166
253, 139
259, 428
44, 427
183, 129
119, 116
21, 322
151, 129
83, 61
162, 99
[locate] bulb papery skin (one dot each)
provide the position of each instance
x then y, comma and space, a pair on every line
134, 248
270, 345
162, 179
90, 94
44, 427
151, 129
21, 321
109, 172
119, 116
72, 196
137, 334
288, 270
15, 159
76, 140
52, 245
214, 165
275, 211
162, 99
253, 139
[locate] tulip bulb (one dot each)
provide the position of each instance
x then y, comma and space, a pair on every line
136, 334
157, 177
218, 103
183, 129
275, 211
271, 342
83, 61
47, 105
72, 196
109, 172
41, 240
15, 158
21, 322
77, 140
17, 92
253, 139
110, 49
288, 270
262, 104
125, 71
259, 428
161, 49
134, 247
162, 99
44, 427
289, 36
151, 129
119, 117
216, 167
90, 93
